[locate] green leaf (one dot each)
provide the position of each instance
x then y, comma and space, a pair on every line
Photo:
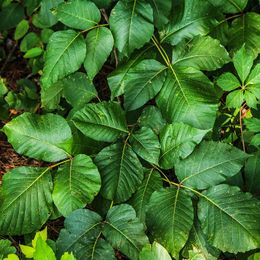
43, 251
131, 23
21, 29
254, 76
3, 87
154, 252
210, 164
32, 53
30, 41
124, 231
6, 248
243, 62
102, 122
202, 53
26, 201
76, 184
245, 29
169, 218
178, 141
235, 99
46, 137
66, 52
228, 81
226, 215
230, 6
252, 124
255, 140
152, 182
146, 144
143, 82
188, 96
100, 43
81, 236
121, 172
67, 256
78, 14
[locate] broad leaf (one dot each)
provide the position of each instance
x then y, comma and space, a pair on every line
154, 252
178, 141
43, 250
99, 46
47, 137
226, 215
235, 99
188, 96
230, 6
169, 218
228, 81
81, 236
143, 82
6, 248
131, 23
102, 122
210, 164
202, 53
124, 231
254, 76
76, 184
121, 172
140, 199
146, 144
26, 201
66, 52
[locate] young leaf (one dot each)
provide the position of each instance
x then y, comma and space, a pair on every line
66, 52
42, 250
67, 256
47, 137
26, 201
21, 29
102, 122
76, 184
226, 215
140, 199
99, 46
169, 218
228, 81
178, 141
210, 164
146, 144
154, 252
124, 231
78, 14
131, 23
121, 172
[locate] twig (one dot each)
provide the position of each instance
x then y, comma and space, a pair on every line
241, 128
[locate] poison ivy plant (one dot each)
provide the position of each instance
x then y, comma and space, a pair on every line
139, 125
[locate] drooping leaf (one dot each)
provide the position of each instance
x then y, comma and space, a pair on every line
131, 23
154, 252
76, 184
121, 172
26, 201
228, 81
226, 215
102, 122
47, 137
99, 45
140, 199
146, 144
78, 14
188, 96
143, 82
178, 141
202, 53
124, 231
169, 218
66, 52
210, 164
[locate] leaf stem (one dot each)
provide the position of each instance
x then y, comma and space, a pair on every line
59, 163
94, 27
165, 57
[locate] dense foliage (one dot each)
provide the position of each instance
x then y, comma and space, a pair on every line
145, 116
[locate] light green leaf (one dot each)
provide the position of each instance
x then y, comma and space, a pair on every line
228, 81
21, 29
169, 218
26, 201
154, 252
12, 257
66, 52
102, 122
78, 14
252, 124
188, 96
235, 99
152, 182
76, 184
27, 251
250, 99
146, 144
131, 23
100, 43
43, 251
32, 53
202, 53
68, 256
47, 137
143, 82
254, 77
228, 215
210, 164
178, 141
124, 231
